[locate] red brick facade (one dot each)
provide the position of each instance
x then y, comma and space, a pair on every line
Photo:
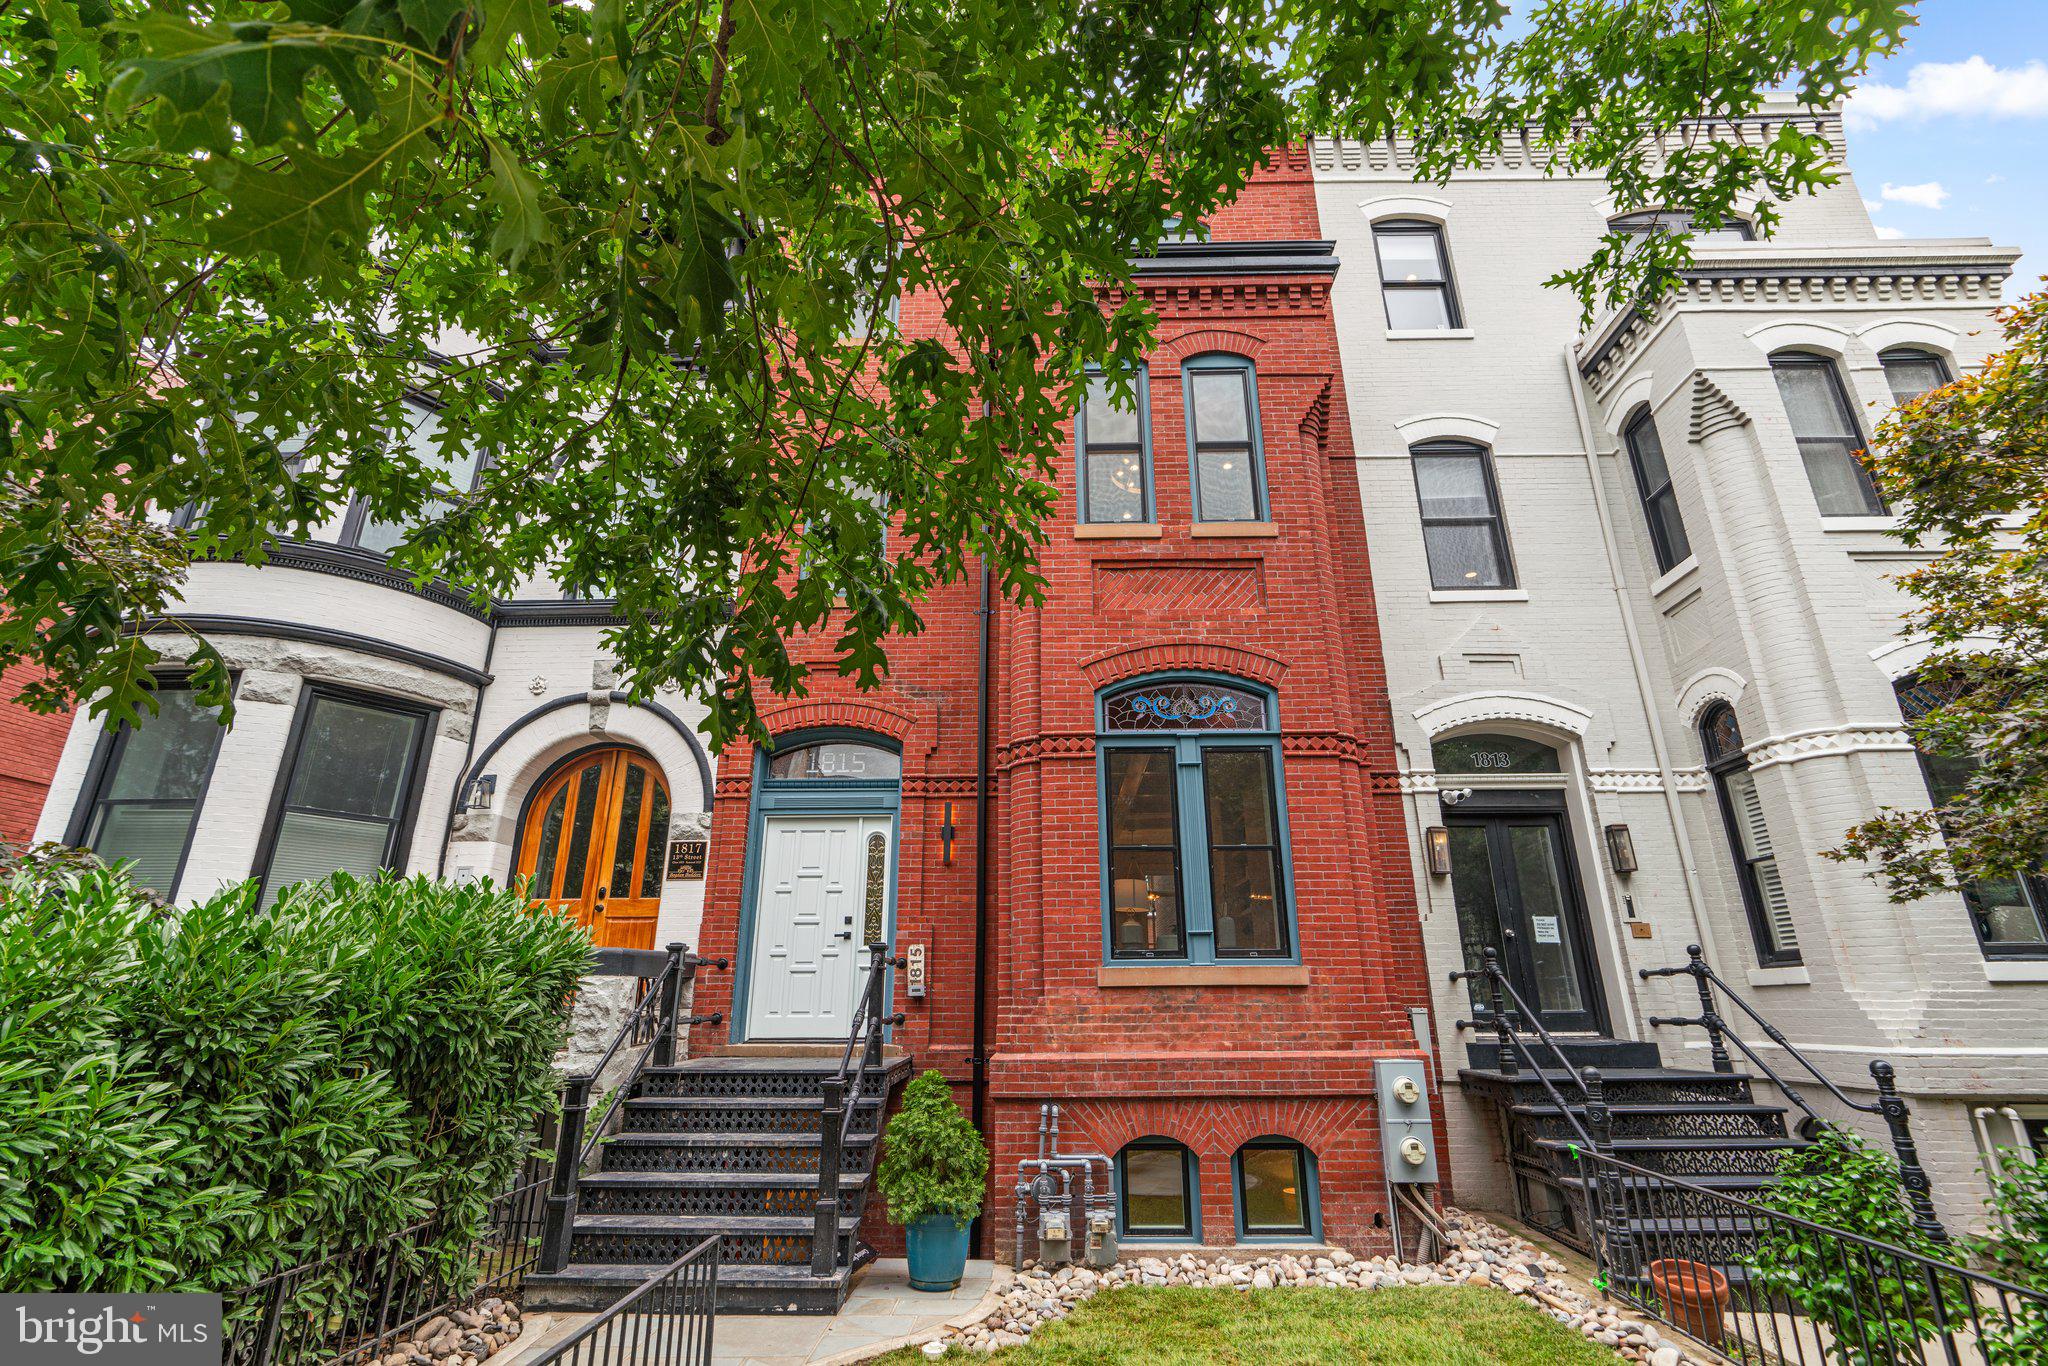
1200, 1058
29, 745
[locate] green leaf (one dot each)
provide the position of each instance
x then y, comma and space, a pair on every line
522, 222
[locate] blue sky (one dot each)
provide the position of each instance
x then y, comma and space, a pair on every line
1956, 125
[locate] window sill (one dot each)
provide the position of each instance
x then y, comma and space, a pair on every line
1228, 530
1791, 975
1478, 595
1204, 975
1889, 524
1430, 334
1116, 531
1674, 576
2016, 970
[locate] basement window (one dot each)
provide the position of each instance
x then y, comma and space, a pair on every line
1276, 1196
1156, 1187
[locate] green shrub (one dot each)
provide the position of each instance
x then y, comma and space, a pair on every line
1880, 1309
191, 1099
933, 1161
2017, 1251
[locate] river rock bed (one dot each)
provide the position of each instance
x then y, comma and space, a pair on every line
1480, 1254
461, 1337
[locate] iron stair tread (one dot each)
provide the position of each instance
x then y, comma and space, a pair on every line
708, 1224
714, 1181
1745, 1143
809, 1103
721, 1066
1724, 1182
697, 1138
1675, 1107
629, 1274
1608, 1076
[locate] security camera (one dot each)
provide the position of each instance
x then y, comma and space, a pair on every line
1454, 796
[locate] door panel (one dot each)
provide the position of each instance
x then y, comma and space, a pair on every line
818, 879
593, 843
1511, 874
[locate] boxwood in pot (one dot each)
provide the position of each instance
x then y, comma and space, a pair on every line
934, 1172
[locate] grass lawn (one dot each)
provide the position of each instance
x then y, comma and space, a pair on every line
1185, 1326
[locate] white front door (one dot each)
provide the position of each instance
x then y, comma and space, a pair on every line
822, 893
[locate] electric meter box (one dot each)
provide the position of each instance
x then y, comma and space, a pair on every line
1407, 1143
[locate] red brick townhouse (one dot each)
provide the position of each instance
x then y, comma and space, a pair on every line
1195, 925
29, 745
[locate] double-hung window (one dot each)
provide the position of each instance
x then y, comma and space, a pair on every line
1415, 276
1826, 431
349, 789
1653, 485
1223, 439
2010, 913
1756, 865
1463, 532
1194, 827
454, 470
147, 783
1911, 373
1114, 445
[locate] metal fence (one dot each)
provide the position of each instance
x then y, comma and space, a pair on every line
667, 1321
1768, 1287
353, 1306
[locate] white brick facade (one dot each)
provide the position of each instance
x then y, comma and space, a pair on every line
1783, 614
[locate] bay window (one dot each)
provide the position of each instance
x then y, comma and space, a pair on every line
145, 788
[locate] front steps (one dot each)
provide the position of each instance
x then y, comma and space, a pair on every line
726, 1146
1706, 1128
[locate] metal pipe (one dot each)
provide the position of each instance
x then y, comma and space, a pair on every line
2019, 1135
977, 1059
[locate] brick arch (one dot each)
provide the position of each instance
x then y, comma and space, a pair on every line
1208, 340
1113, 666
1322, 1125
895, 718
1106, 1126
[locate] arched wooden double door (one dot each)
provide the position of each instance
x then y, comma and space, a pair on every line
594, 838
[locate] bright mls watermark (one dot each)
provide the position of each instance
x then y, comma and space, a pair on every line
110, 1330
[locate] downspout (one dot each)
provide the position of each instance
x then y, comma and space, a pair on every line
1645, 689
978, 1059
476, 721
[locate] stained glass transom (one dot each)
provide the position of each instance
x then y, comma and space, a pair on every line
1721, 737
1185, 706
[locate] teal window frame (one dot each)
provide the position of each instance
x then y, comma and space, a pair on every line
1192, 848
1311, 1193
1191, 1188
1148, 512
1262, 508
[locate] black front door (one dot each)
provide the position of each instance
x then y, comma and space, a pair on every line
1512, 870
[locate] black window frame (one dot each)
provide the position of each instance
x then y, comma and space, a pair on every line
1447, 286
398, 844
1496, 518
106, 762
1852, 430
2034, 884
1720, 765
1190, 1185
1893, 356
1666, 555
1308, 1230
1085, 449
359, 515
1646, 222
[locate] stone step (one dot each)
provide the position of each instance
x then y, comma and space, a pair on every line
741, 1289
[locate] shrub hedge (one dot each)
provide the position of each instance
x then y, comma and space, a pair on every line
193, 1098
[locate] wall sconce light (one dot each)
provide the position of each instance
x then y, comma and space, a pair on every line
482, 789
1438, 841
1621, 849
946, 833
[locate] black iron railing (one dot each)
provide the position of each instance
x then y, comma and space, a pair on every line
354, 1306
651, 1026
666, 1321
841, 1099
1514, 1051
1889, 1105
1769, 1287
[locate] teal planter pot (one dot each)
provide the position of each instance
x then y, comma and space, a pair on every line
938, 1253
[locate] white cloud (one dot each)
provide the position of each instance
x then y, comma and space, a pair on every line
1971, 88
1885, 234
1931, 195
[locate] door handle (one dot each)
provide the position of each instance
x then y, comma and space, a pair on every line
844, 934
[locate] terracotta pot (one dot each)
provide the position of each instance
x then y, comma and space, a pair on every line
1694, 1296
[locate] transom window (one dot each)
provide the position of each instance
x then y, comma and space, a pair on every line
1114, 445
2010, 913
1156, 1189
1682, 225
1223, 439
1764, 896
836, 759
1193, 831
1826, 431
1487, 752
149, 779
1911, 373
1415, 276
1463, 532
1653, 486
1275, 1179
455, 471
